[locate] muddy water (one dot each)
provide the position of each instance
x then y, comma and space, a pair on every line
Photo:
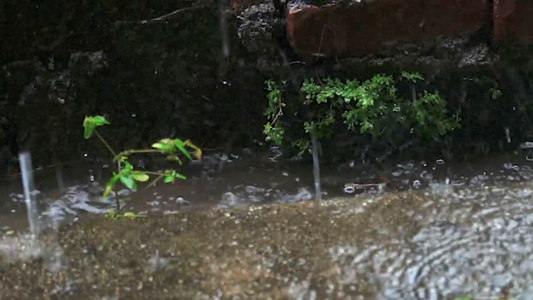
436, 231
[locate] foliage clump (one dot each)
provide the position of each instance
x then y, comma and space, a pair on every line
125, 172
374, 106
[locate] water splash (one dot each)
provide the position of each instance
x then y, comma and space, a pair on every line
316, 166
224, 28
29, 197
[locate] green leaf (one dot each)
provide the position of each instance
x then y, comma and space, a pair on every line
129, 214
90, 123
197, 151
127, 179
140, 176
100, 121
127, 165
169, 178
178, 175
165, 145
181, 146
413, 77
88, 127
113, 215
110, 185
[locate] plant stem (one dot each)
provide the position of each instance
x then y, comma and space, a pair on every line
134, 151
104, 142
155, 180
156, 173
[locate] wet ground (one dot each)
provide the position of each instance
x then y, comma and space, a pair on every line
434, 231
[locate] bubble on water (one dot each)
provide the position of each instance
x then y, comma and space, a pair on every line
526, 172
349, 189
397, 173
508, 166
426, 175
250, 189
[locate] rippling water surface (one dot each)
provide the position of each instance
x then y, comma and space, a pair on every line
466, 229
457, 242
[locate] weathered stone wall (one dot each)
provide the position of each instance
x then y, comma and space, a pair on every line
157, 68
154, 68
357, 28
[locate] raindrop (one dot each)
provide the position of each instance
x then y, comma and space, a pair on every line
85, 154
440, 161
508, 135
285, 174
133, 115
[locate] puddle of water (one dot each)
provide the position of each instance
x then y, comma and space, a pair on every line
246, 179
426, 230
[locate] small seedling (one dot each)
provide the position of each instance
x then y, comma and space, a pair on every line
125, 172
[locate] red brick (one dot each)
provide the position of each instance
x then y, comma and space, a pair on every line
368, 27
513, 21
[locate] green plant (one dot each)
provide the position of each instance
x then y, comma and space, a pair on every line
375, 107
126, 174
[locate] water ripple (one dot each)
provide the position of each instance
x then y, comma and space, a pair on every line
476, 241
